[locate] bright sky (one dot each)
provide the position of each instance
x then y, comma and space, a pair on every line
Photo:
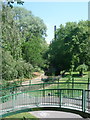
56, 13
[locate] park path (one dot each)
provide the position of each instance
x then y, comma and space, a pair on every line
35, 80
53, 114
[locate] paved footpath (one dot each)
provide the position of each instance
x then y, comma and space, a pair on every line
54, 114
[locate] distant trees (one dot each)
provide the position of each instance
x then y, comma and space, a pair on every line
70, 49
33, 31
23, 40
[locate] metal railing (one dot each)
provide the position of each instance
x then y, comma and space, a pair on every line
48, 85
77, 99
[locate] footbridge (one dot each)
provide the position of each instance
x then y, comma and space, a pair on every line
77, 100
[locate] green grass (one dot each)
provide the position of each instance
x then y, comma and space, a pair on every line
77, 79
20, 116
67, 85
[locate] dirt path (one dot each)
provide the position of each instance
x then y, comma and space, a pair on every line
35, 80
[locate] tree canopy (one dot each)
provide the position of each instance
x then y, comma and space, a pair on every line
23, 40
70, 48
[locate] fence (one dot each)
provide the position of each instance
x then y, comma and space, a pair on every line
48, 85
77, 99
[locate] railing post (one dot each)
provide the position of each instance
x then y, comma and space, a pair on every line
68, 85
13, 101
72, 85
60, 97
88, 87
29, 82
36, 100
58, 88
43, 90
83, 100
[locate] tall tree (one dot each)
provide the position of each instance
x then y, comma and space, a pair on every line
33, 32
70, 47
23, 40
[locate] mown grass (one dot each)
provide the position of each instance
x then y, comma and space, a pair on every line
21, 116
66, 82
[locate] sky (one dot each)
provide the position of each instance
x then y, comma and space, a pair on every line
56, 13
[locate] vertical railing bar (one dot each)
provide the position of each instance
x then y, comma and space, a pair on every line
37, 99
83, 100
51, 97
60, 98
72, 85
43, 90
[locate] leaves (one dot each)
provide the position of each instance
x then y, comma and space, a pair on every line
23, 42
70, 47
82, 67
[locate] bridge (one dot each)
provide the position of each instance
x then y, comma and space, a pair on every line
77, 100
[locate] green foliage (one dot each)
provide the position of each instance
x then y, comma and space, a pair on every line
23, 43
82, 68
70, 48
12, 69
24, 69
32, 52
37, 69
11, 37
8, 66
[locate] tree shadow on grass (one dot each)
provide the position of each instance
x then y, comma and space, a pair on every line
77, 75
74, 75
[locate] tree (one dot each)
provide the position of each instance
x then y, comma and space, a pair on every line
8, 66
11, 37
82, 68
70, 47
12, 69
33, 32
28, 24
23, 40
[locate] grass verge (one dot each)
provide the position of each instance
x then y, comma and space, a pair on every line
21, 116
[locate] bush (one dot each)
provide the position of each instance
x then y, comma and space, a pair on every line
14, 69
82, 68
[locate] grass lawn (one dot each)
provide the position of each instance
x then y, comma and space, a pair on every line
78, 82
20, 116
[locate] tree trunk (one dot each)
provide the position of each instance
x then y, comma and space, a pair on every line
81, 73
63, 73
57, 72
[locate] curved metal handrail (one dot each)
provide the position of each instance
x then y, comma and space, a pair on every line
47, 83
77, 99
